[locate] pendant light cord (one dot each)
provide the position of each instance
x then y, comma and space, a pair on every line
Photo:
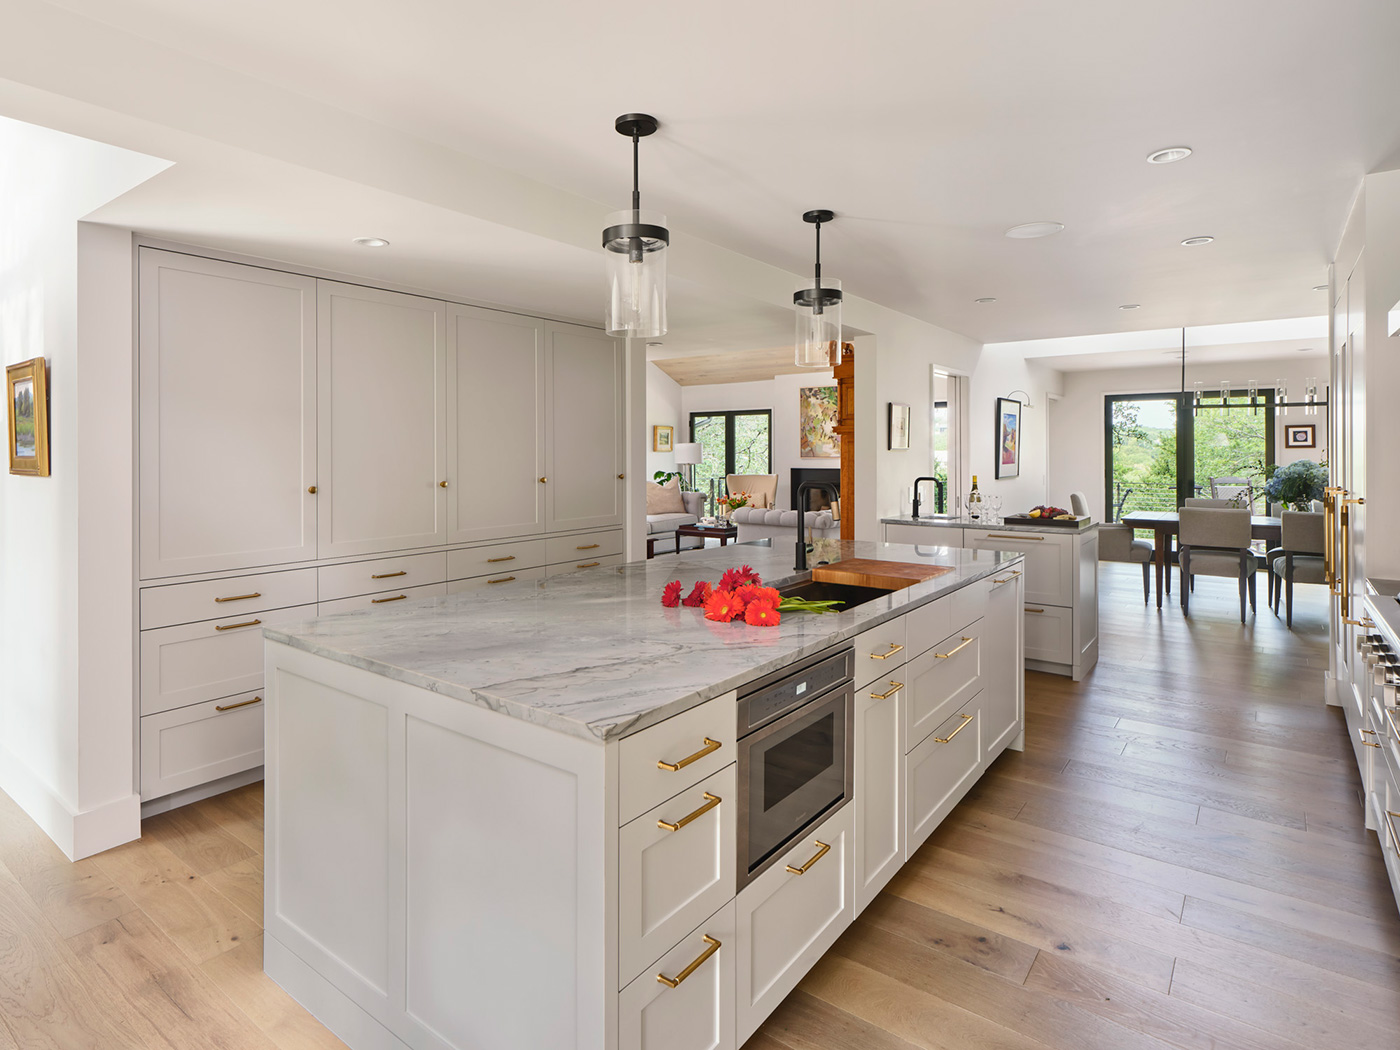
817, 305
636, 182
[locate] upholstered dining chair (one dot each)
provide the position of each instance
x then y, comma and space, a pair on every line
1201, 501
1079, 504
1214, 541
1117, 543
1233, 488
1298, 559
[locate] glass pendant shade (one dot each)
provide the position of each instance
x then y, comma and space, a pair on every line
818, 338
636, 270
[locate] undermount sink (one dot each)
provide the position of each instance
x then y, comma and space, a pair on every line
819, 591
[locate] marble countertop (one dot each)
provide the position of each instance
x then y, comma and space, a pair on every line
594, 654
961, 523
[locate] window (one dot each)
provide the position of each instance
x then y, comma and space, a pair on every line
739, 442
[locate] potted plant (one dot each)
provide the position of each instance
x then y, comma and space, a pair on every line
1297, 484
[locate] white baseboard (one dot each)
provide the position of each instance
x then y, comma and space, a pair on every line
176, 799
77, 834
350, 1022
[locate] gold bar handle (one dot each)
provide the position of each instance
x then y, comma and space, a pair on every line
710, 747
1003, 536
1390, 717
238, 597
885, 656
953, 652
1368, 743
894, 688
241, 703
1030, 608
711, 801
1390, 827
966, 721
381, 601
674, 982
236, 626
588, 565
389, 575
1008, 579
588, 547
825, 849
492, 561
503, 579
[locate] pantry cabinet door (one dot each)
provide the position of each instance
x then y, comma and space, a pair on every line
228, 415
495, 425
1004, 676
584, 456
383, 403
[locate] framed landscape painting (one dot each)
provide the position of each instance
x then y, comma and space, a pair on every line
662, 438
26, 388
1008, 461
816, 423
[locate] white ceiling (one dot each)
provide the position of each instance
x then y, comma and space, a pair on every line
929, 127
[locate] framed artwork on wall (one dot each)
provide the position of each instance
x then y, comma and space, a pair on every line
816, 423
1300, 435
27, 394
661, 438
899, 425
1008, 438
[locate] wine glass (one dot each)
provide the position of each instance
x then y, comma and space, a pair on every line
995, 502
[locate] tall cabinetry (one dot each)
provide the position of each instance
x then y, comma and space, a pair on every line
308, 446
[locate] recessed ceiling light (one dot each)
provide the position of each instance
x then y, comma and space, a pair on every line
1191, 242
986, 299
371, 242
1130, 306
1319, 287
1027, 230
1170, 155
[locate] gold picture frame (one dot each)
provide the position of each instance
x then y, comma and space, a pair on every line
662, 438
27, 395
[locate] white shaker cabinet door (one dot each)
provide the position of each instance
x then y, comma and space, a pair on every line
679, 1005
879, 801
382, 363
585, 443
1049, 575
1004, 674
228, 415
495, 424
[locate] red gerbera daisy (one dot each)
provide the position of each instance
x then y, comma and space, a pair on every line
722, 606
671, 595
752, 592
697, 597
762, 614
735, 578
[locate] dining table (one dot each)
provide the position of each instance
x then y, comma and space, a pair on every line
1167, 523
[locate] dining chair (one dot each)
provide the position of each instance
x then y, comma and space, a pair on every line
1214, 541
1298, 559
1201, 501
1079, 504
1233, 488
1118, 543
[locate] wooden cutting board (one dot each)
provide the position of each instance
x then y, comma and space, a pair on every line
886, 575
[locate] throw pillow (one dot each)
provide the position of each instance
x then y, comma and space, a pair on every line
665, 499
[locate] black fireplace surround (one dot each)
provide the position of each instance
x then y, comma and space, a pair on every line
816, 498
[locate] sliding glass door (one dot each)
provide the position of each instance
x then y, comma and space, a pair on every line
738, 442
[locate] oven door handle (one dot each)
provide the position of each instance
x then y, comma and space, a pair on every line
825, 849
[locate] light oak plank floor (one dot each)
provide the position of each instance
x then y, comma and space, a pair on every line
1178, 860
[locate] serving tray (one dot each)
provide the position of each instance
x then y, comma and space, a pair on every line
1077, 522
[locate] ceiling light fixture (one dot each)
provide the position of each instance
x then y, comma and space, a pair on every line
986, 299
1192, 242
371, 242
1170, 155
1130, 306
818, 303
636, 244
1028, 230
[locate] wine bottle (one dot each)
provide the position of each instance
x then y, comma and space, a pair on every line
974, 502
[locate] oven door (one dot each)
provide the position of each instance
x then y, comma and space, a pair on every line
792, 773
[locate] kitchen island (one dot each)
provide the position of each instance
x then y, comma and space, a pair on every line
518, 819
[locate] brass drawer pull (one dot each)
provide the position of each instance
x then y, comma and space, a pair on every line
1003, 536
1368, 743
894, 688
381, 601
1390, 827
711, 801
1390, 717
1030, 609
239, 597
503, 579
508, 557
236, 626
966, 721
588, 565
885, 656
953, 652
1008, 579
710, 747
241, 703
389, 575
588, 547
674, 982
825, 849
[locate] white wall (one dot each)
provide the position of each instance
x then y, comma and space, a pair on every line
663, 409
1001, 369
66, 597
1076, 420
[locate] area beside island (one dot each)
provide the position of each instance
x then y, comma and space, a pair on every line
567, 816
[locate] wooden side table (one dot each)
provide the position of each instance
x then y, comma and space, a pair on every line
724, 533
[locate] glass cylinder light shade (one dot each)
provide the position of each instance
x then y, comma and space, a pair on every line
818, 339
636, 266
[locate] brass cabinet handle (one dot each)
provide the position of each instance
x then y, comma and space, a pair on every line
1008, 579
492, 561
241, 703
966, 720
1003, 536
544, 481
1390, 717
588, 547
389, 575
674, 982
381, 601
1034, 610
825, 849
1390, 827
503, 579
711, 801
885, 656
710, 747
953, 652
312, 490
239, 597
442, 484
1368, 743
236, 626
894, 688
588, 565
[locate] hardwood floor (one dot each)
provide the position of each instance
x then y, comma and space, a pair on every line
1177, 860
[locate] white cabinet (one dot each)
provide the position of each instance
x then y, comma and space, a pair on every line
227, 416
497, 424
682, 1005
938, 773
925, 535
940, 679
193, 745
1004, 679
1049, 561
879, 779
584, 395
382, 367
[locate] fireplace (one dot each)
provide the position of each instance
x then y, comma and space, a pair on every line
816, 499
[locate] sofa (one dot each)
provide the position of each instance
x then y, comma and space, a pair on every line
663, 526
759, 523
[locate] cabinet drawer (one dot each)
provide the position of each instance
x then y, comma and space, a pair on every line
371, 577
925, 535
1049, 633
945, 676
929, 624
785, 922
502, 580
675, 866
687, 740
213, 599
191, 662
194, 745
938, 773
879, 651
586, 546
494, 560
588, 563
698, 1013
1049, 561
383, 600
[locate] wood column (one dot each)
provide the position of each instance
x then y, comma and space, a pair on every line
845, 371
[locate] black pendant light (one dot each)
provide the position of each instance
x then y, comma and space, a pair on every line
818, 304
636, 242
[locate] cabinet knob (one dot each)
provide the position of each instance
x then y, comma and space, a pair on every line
621, 476
442, 484
544, 481
312, 490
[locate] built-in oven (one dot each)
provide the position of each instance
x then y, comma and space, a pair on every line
796, 755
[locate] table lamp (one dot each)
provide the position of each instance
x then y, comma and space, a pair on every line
687, 455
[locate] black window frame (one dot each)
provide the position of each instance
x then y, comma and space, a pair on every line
729, 416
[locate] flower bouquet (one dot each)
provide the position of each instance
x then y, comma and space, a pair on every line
741, 595
728, 504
